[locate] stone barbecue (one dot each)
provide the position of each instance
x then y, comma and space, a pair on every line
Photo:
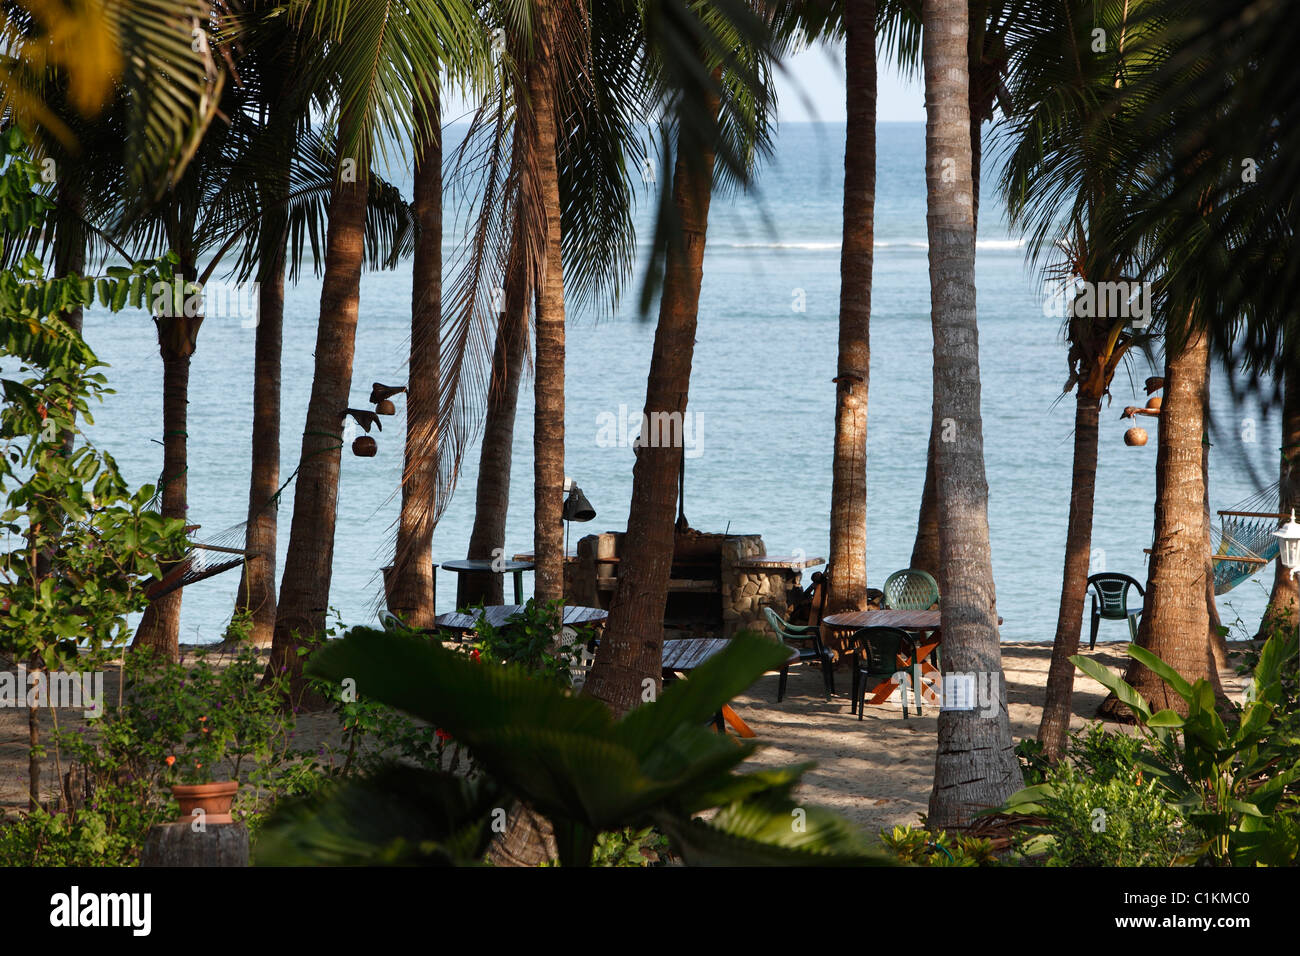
719, 583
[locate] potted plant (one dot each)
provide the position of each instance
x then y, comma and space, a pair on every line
194, 768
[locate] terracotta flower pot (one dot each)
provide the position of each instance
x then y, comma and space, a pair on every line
214, 799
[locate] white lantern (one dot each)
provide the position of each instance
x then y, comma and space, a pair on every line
1289, 544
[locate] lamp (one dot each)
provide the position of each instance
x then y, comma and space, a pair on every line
576, 505
1289, 544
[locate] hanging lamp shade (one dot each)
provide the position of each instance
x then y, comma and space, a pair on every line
577, 507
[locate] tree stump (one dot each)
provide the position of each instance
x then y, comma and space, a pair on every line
179, 844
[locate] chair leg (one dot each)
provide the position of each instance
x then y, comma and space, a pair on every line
828, 677
1133, 627
862, 700
916, 687
853, 695
780, 687
1092, 641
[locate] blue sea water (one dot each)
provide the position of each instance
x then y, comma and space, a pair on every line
761, 403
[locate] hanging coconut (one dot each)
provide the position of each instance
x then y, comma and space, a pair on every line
385, 407
365, 447
1135, 436
1153, 403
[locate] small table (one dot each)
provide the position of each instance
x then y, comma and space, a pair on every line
927, 622
779, 562
494, 566
688, 653
498, 614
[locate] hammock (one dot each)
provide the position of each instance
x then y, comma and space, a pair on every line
1244, 542
203, 560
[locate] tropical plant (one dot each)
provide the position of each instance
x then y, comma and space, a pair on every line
919, 847
83, 544
1233, 777
564, 755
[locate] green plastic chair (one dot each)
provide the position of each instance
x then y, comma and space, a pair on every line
796, 637
911, 590
874, 660
1110, 601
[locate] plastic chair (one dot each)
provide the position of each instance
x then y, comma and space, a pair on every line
1110, 601
910, 590
795, 637
875, 654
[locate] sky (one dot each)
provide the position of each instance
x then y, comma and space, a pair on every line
811, 87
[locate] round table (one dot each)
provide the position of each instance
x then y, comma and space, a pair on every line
494, 566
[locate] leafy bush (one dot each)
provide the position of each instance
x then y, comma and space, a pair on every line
1099, 820
919, 847
563, 755
529, 639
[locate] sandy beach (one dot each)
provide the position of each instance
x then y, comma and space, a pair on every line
876, 771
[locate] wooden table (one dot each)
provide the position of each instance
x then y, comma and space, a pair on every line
494, 566
684, 655
926, 622
499, 614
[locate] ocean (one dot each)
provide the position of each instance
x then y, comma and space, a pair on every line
761, 405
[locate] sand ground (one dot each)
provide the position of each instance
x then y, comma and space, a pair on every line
877, 771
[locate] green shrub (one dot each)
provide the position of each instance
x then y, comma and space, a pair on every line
919, 847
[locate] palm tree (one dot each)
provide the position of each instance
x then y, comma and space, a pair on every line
1284, 598
975, 765
382, 58
164, 122
720, 124
1070, 103
848, 560
541, 205
412, 588
989, 22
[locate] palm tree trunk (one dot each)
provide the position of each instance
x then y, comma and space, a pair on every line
159, 627
1055, 724
848, 585
975, 765
548, 418
1174, 620
256, 595
1218, 643
412, 594
492, 501
304, 589
630, 655
1285, 596
925, 549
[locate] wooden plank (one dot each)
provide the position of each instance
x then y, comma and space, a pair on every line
779, 561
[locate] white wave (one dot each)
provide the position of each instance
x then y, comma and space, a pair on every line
810, 246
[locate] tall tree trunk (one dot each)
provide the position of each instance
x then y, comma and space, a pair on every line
975, 765
848, 586
1218, 643
925, 549
256, 595
1175, 623
1055, 724
1285, 596
412, 594
548, 418
159, 627
492, 501
308, 566
631, 652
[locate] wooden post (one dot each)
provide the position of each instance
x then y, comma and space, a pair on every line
179, 844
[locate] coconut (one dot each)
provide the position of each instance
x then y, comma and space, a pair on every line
1153, 403
1135, 436
385, 407
365, 447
